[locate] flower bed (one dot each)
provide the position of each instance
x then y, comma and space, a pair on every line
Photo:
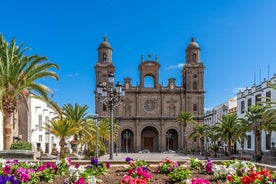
167, 171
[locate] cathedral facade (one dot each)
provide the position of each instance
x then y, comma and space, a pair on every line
147, 116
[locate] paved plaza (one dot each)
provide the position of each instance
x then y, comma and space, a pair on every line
149, 157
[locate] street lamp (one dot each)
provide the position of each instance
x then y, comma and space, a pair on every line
126, 136
97, 135
168, 135
110, 97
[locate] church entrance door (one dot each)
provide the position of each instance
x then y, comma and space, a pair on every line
148, 143
149, 139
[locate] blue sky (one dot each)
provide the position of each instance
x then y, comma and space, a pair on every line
237, 40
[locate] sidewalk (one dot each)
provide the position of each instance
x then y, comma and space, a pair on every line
149, 157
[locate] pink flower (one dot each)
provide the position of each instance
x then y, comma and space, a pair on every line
107, 165
69, 161
41, 168
80, 181
200, 181
7, 169
25, 177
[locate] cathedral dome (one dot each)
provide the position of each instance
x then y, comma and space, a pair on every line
105, 44
193, 45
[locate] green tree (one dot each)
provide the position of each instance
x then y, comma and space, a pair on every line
78, 115
255, 122
89, 135
18, 77
62, 128
200, 131
184, 118
227, 130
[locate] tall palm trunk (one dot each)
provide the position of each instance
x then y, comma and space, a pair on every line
229, 148
258, 143
185, 139
62, 144
7, 120
202, 145
9, 106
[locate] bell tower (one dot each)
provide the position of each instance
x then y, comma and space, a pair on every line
193, 80
103, 68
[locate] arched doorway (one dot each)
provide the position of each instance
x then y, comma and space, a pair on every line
149, 139
171, 140
127, 141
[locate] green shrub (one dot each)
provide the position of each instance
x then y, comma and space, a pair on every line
21, 145
179, 174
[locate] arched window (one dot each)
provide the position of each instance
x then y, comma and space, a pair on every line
194, 58
195, 76
149, 82
104, 57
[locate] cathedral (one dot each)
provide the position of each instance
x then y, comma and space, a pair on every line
147, 116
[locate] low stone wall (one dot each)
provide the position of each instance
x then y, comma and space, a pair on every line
18, 154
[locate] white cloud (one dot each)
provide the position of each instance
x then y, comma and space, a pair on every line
236, 90
179, 65
207, 109
73, 74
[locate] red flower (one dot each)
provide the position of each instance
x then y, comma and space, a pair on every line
229, 178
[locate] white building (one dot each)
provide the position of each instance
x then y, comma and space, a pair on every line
213, 116
40, 115
248, 97
28, 125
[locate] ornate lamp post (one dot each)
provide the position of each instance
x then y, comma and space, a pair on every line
111, 97
168, 135
96, 120
126, 136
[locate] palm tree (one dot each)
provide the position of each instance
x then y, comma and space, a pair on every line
227, 130
18, 76
269, 120
255, 123
88, 138
62, 128
184, 118
104, 134
78, 115
200, 131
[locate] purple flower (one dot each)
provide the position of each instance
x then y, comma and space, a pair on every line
13, 180
128, 159
146, 169
4, 179
94, 161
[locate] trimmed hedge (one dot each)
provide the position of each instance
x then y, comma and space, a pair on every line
21, 145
